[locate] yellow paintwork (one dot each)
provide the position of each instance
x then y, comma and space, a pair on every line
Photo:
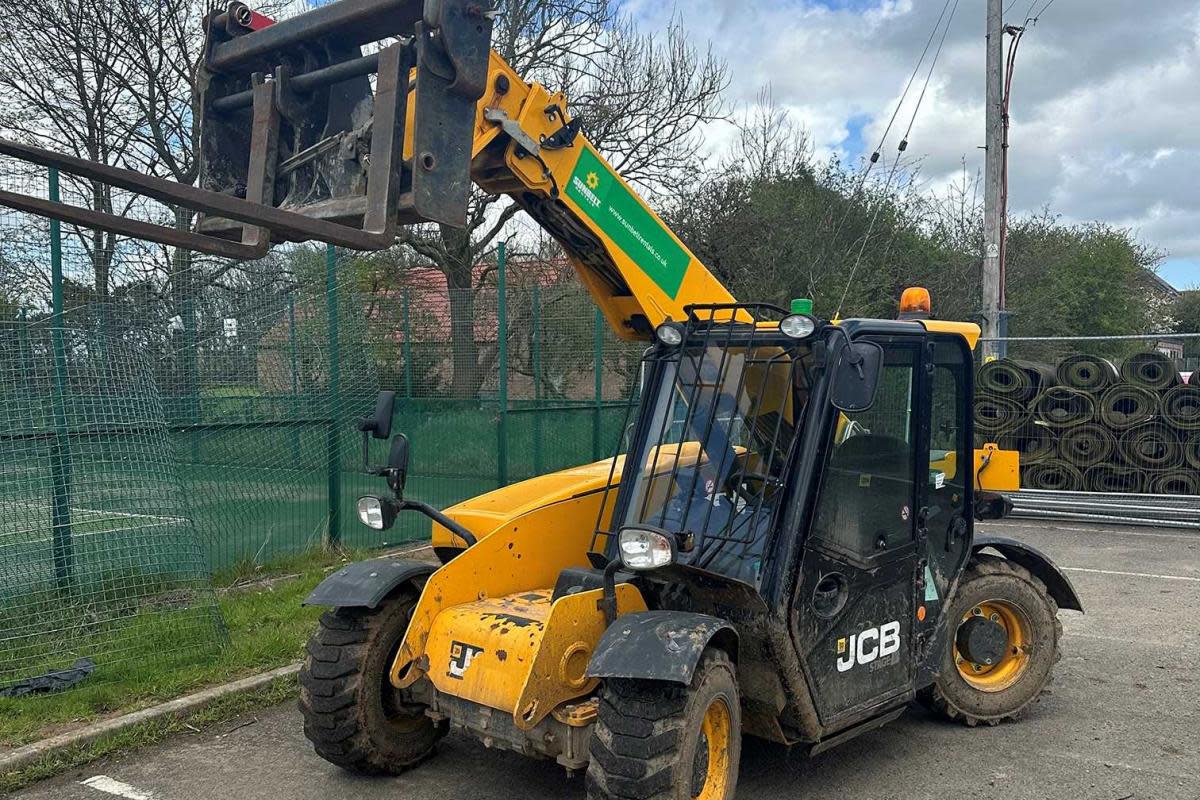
1003, 473
1010, 669
572, 631
524, 553
717, 730
528, 655
967, 330
486, 513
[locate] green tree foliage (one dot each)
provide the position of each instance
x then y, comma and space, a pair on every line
774, 224
1088, 279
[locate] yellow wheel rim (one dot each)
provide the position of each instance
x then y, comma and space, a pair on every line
1009, 669
712, 756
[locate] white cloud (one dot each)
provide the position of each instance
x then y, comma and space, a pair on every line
1106, 98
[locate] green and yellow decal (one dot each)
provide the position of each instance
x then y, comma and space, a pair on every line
616, 210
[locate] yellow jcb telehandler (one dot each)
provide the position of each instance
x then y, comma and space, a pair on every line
784, 549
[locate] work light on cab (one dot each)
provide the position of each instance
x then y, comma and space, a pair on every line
669, 334
643, 549
797, 326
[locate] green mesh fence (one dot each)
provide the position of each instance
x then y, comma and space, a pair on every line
99, 559
263, 369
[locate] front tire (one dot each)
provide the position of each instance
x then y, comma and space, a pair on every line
353, 716
1025, 617
661, 741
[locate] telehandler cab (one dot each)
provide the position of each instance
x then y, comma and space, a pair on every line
786, 547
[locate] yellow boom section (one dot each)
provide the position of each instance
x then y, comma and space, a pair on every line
638, 271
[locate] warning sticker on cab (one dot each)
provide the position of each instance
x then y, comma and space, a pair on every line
618, 212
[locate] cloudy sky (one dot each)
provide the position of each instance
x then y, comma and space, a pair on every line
1106, 100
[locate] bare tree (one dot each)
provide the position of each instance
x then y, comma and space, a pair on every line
59, 62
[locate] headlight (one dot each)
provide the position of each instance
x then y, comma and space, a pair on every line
797, 326
669, 334
376, 513
643, 549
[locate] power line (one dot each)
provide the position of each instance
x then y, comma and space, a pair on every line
896, 163
875, 154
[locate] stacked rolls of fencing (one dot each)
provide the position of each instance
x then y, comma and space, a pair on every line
1087, 424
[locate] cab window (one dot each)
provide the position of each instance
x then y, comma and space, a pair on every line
864, 507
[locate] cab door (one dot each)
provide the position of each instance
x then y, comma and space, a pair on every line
946, 499
853, 612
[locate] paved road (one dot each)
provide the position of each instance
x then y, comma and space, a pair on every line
1122, 722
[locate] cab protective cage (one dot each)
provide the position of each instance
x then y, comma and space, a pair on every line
299, 142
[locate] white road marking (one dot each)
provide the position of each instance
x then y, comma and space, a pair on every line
1134, 574
103, 783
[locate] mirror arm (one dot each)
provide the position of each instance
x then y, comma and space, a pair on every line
441, 519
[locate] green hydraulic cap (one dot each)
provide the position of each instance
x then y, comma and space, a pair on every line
802, 305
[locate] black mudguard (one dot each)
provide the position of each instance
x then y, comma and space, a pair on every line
659, 645
1037, 562
364, 584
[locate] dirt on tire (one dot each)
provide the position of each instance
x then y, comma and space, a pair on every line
352, 715
647, 733
988, 577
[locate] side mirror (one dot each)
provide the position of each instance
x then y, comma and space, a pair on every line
379, 424
397, 464
856, 376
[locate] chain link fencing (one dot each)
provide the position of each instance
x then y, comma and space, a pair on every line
1108, 428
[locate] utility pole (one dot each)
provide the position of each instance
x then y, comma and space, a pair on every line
993, 175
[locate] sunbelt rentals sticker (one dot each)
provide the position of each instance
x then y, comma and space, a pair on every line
618, 212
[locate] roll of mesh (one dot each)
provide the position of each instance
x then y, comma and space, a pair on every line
1090, 373
1151, 447
1113, 479
1018, 380
1151, 369
1125, 406
1054, 474
995, 415
1086, 445
1033, 441
1061, 407
1181, 407
1191, 450
1175, 481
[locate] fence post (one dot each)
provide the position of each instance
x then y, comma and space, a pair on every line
502, 356
333, 433
408, 376
295, 362
60, 457
598, 364
537, 379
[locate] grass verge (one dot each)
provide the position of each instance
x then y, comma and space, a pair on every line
267, 627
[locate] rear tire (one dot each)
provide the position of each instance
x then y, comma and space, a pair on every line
353, 716
661, 741
1009, 593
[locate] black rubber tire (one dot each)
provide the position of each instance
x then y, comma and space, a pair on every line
352, 715
645, 739
993, 578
